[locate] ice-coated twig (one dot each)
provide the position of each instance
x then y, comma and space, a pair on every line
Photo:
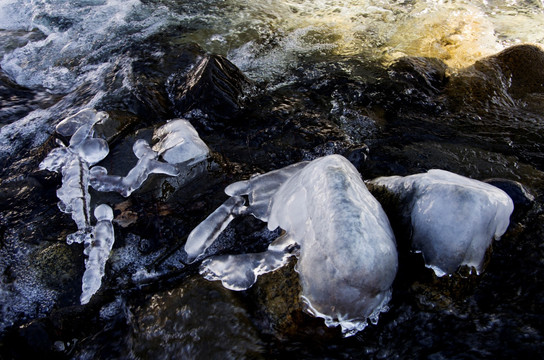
73, 163
207, 231
177, 142
147, 164
98, 250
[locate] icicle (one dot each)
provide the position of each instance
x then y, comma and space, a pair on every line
98, 251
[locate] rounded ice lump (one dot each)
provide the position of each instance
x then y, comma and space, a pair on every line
348, 258
178, 142
453, 219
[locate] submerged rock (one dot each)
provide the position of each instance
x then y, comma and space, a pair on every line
511, 78
412, 117
199, 319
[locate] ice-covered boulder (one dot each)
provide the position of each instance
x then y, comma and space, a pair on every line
347, 259
453, 219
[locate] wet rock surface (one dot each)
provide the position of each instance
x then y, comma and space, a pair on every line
399, 120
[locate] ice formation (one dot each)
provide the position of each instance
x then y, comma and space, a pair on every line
240, 272
207, 231
85, 117
147, 164
453, 218
98, 251
73, 163
347, 259
178, 142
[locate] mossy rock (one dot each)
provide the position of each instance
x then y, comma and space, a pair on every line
60, 267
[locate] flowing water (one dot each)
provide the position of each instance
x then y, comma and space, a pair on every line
58, 45
58, 57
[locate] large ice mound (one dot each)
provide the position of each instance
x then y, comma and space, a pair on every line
453, 218
347, 259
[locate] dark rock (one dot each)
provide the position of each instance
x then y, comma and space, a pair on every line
424, 74
506, 79
411, 115
17, 101
523, 65
517, 192
200, 319
145, 102
29, 341
214, 86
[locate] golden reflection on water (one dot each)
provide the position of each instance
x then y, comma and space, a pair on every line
457, 36
270, 34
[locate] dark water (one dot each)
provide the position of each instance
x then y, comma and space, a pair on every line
397, 87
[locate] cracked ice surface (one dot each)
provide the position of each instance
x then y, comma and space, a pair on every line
348, 257
98, 251
454, 219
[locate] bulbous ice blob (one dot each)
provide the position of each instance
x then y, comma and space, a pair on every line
453, 218
103, 213
178, 142
348, 257
97, 251
93, 150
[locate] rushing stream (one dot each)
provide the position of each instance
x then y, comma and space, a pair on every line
397, 87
